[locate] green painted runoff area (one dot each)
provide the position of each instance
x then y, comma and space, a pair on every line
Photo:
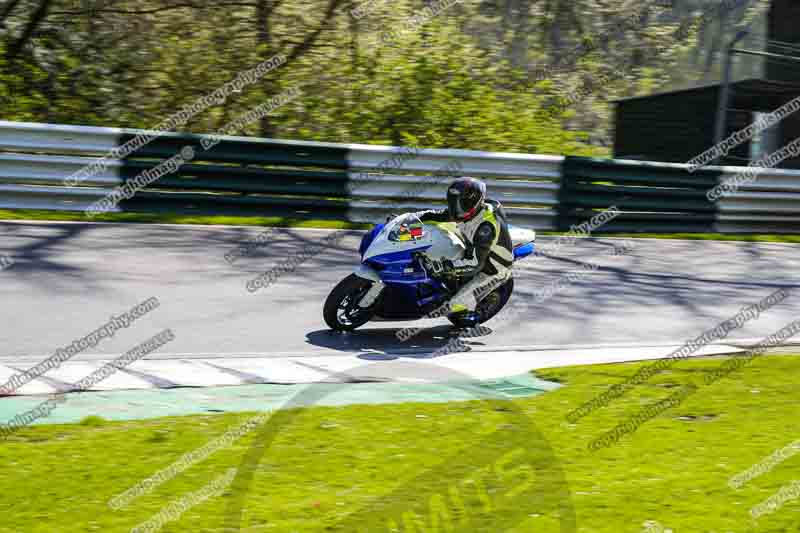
154, 403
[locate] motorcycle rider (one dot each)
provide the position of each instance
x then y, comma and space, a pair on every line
489, 255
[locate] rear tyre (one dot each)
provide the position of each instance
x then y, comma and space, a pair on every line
491, 304
341, 310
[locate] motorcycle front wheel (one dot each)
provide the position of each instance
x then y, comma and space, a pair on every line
341, 310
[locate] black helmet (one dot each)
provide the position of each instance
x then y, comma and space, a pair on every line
465, 198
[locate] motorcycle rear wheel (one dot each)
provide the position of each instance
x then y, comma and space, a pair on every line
341, 310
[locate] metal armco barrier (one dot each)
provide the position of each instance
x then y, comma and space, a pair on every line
362, 183
651, 197
267, 177
770, 204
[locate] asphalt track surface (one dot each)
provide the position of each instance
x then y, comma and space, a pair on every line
68, 278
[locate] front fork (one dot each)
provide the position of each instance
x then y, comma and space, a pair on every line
372, 294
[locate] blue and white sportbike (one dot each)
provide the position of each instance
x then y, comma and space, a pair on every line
399, 276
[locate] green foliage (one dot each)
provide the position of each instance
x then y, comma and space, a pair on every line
464, 78
435, 85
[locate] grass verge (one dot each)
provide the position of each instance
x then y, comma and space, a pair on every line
167, 218
219, 220
327, 463
746, 237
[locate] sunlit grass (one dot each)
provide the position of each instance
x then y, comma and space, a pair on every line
166, 218
326, 465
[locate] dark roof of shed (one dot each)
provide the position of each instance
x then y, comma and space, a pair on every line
755, 85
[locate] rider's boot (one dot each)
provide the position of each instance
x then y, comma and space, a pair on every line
465, 319
467, 324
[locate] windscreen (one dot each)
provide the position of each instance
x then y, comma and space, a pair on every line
406, 228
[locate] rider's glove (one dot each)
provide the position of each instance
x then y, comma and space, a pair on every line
463, 267
448, 269
469, 252
442, 269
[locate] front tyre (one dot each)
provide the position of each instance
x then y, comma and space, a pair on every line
341, 310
